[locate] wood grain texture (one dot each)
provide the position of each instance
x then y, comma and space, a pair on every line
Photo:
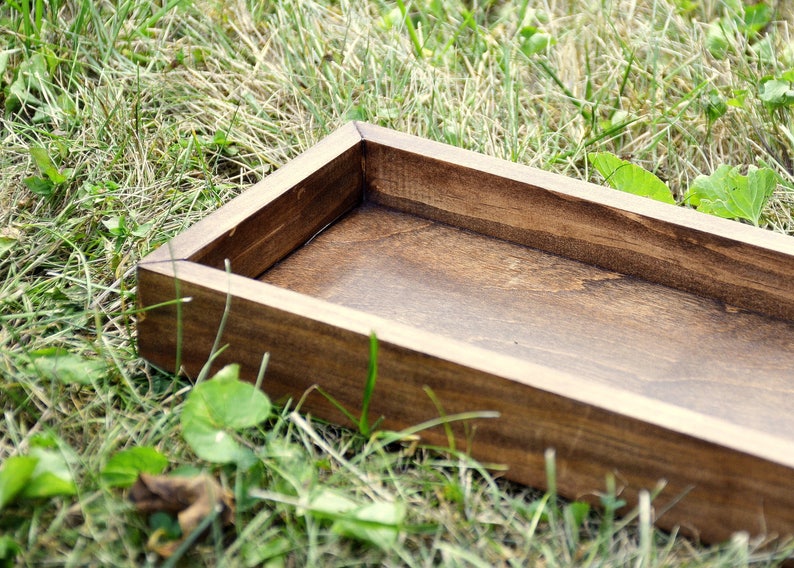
717, 258
737, 480
593, 323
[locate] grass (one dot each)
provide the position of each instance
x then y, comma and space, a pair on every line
125, 122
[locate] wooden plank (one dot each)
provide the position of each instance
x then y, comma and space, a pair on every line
733, 478
593, 323
278, 214
682, 248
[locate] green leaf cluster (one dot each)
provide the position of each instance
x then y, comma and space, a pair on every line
118, 226
725, 193
729, 194
121, 229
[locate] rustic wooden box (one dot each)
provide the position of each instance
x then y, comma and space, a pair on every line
637, 338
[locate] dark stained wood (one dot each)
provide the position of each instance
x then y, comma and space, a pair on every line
619, 374
734, 478
266, 222
596, 324
682, 248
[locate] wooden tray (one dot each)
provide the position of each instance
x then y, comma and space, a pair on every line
635, 338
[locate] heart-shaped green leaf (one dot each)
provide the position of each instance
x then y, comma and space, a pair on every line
218, 407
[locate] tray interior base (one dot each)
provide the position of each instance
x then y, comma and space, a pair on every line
598, 324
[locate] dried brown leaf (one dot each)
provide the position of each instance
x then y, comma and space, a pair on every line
191, 499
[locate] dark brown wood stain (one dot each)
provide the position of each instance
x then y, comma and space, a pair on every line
594, 323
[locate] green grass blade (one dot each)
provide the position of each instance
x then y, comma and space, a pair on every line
369, 386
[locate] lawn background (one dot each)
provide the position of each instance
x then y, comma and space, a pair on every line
125, 122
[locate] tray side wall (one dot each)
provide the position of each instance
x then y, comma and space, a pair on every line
278, 214
725, 260
725, 490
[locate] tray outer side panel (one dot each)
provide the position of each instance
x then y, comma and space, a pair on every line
724, 490
744, 266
